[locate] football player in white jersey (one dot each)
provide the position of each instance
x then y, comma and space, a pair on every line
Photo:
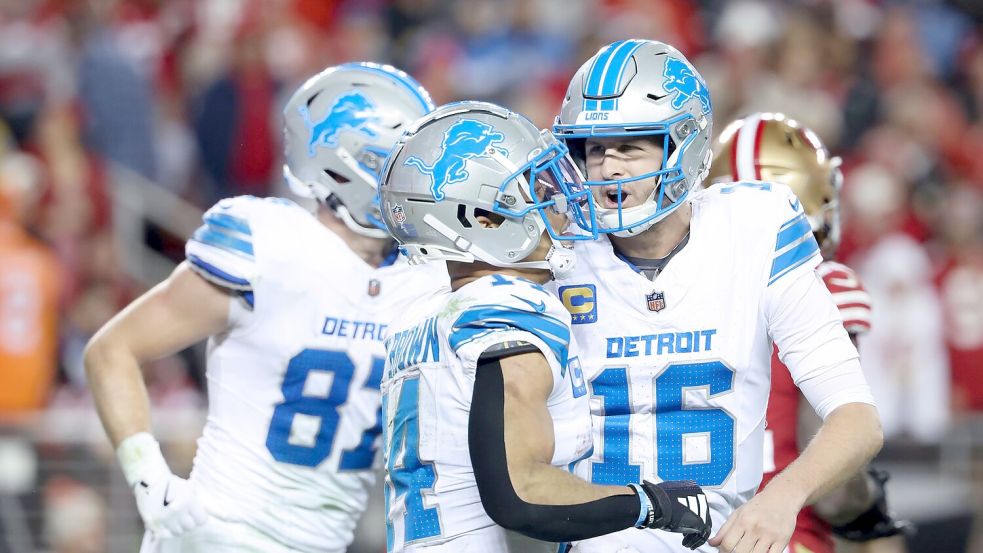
677, 307
485, 404
295, 306
784, 151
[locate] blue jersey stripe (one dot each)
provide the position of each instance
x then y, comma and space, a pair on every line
409, 83
210, 236
229, 222
792, 230
480, 320
794, 257
216, 272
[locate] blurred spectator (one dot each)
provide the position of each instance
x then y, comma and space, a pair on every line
75, 517
904, 355
961, 285
115, 73
235, 123
29, 292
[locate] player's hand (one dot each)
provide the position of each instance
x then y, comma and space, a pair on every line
762, 525
681, 507
169, 505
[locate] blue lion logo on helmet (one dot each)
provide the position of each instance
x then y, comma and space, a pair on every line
350, 111
464, 140
681, 79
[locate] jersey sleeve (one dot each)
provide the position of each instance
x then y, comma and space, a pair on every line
814, 345
519, 314
221, 250
796, 250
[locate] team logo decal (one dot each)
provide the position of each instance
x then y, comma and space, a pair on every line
681, 79
399, 216
656, 301
464, 140
581, 301
352, 111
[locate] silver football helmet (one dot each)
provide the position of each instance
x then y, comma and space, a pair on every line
469, 159
338, 129
641, 88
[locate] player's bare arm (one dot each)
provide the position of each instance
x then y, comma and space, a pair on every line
848, 438
844, 503
178, 312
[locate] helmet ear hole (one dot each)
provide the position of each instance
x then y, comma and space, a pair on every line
493, 217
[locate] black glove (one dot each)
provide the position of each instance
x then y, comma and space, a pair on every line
876, 522
679, 506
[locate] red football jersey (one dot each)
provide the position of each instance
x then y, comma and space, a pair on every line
781, 447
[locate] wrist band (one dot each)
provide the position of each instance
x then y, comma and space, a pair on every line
645, 506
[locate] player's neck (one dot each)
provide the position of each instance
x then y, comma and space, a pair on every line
372, 250
466, 273
659, 240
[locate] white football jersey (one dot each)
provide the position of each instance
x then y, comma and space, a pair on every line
678, 367
431, 495
294, 413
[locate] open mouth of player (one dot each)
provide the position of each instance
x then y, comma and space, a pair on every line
613, 197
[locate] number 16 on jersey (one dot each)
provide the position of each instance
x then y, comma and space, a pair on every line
691, 443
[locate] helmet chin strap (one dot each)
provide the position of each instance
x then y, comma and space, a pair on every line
561, 261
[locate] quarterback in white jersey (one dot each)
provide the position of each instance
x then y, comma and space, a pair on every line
295, 306
677, 308
491, 367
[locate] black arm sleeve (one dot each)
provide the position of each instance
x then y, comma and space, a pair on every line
486, 442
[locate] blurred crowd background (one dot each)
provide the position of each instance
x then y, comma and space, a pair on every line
121, 120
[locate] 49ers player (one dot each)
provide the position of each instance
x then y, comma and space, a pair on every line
771, 147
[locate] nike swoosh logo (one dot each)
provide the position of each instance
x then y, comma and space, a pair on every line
794, 205
539, 307
167, 489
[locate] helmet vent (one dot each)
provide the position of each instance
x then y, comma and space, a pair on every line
462, 216
338, 177
656, 97
311, 99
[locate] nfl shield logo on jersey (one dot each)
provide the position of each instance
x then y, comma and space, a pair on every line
656, 301
374, 287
